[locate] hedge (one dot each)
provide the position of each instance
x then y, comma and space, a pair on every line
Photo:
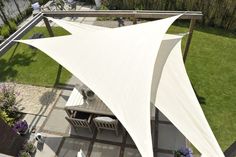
220, 13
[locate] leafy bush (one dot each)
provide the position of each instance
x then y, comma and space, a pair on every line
29, 147
6, 118
5, 31
104, 7
28, 11
8, 100
13, 25
24, 154
8, 109
18, 18
184, 152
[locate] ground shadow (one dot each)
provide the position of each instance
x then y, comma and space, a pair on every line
48, 97
63, 146
201, 100
7, 67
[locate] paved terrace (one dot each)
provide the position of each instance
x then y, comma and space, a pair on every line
62, 140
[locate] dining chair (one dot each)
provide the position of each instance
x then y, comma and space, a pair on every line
107, 123
81, 120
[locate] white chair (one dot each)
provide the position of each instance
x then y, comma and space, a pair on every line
107, 123
36, 8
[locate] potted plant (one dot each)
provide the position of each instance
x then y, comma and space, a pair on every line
21, 127
30, 148
183, 152
23, 153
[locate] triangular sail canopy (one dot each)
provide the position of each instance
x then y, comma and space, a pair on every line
117, 64
176, 99
134, 114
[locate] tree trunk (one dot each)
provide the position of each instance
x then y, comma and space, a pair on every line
18, 8
4, 17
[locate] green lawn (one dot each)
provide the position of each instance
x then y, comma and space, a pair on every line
30, 66
210, 64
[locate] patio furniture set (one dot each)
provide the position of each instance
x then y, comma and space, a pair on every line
86, 110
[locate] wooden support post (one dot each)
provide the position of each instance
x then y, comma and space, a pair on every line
134, 20
49, 28
156, 131
191, 27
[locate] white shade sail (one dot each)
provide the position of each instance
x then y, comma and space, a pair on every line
176, 99
117, 64
124, 67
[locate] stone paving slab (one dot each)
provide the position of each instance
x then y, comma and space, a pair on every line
71, 146
129, 140
57, 122
163, 117
131, 152
84, 132
34, 121
61, 102
164, 155
105, 150
50, 146
170, 138
109, 135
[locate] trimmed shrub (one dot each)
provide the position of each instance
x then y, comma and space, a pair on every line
19, 18
219, 13
42, 2
5, 31
8, 100
13, 25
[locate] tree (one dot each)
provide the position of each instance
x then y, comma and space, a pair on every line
3, 15
18, 8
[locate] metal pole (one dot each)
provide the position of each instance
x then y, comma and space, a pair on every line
156, 131
191, 27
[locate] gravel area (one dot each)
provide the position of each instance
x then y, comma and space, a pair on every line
35, 100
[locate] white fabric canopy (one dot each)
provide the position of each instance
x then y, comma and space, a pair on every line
118, 65
177, 101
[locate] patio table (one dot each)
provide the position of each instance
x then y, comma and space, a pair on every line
77, 103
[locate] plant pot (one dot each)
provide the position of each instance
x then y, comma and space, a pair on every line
25, 132
90, 95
